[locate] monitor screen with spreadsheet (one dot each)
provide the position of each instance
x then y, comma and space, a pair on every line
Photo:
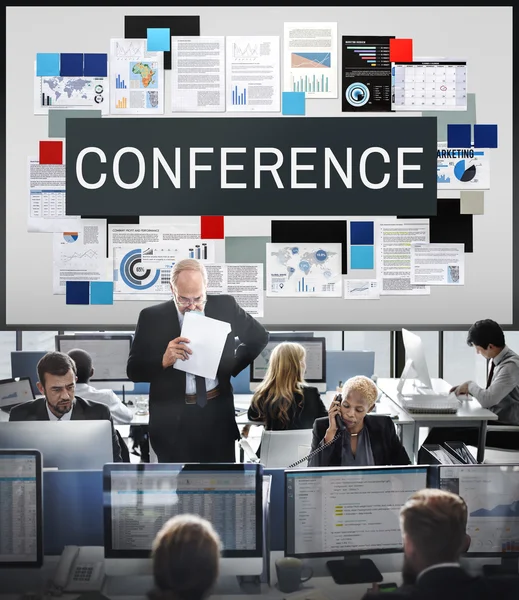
21, 519
109, 353
141, 497
492, 496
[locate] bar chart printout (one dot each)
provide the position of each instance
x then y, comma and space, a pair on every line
366, 74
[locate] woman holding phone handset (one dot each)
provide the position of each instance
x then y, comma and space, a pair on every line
354, 437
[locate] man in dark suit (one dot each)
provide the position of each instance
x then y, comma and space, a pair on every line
434, 535
57, 382
191, 418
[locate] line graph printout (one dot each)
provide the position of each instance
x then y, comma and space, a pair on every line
80, 255
198, 74
348, 510
136, 77
361, 289
47, 198
492, 496
252, 74
310, 59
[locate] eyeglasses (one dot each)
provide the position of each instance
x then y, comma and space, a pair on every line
200, 301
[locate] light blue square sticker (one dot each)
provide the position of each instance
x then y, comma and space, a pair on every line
159, 39
293, 103
362, 257
101, 292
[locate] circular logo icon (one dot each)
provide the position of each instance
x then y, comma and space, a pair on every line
357, 94
98, 99
99, 89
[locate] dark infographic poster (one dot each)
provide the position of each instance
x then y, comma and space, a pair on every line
366, 74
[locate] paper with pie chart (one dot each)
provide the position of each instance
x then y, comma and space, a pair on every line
295, 270
463, 168
143, 271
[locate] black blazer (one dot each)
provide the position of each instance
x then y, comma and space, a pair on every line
181, 432
386, 447
83, 410
453, 583
302, 414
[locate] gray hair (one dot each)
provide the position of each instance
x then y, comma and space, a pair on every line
187, 264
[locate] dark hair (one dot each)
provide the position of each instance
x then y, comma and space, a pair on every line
486, 332
55, 363
83, 362
436, 521
186, 554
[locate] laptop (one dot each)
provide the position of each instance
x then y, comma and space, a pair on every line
14, 392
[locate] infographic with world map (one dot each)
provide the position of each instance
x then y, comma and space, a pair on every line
136, 77
73, 93
295, 270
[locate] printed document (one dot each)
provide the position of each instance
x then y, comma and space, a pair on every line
437, 264
136, 78
253, 74
297, 270
207, 339
198, 74
393, 245
310, 59
242, 281
80, 255
47, 198
361, 289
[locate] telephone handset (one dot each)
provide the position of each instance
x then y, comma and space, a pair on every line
80, 569
340, 428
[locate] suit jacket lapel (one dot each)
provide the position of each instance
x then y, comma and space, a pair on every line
41, 410
78, 411
376, 441
173, 323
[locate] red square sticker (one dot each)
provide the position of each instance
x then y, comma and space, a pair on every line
211, 228
400, 50
51, 153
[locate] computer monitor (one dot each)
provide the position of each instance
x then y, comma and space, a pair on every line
414, 361
348, 511
492, 496
140, 497
315, 373
24, 364
109, 353
21, 539
78, 445
284, 448
14, 392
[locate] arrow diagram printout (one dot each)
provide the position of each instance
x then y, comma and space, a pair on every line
297, 270
310, 59
80, 255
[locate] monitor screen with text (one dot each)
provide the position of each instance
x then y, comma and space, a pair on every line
347, 510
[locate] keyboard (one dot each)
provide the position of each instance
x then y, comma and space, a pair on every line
431, 403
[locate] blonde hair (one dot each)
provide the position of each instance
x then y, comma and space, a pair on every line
186, 555
364, 386
435, 521
284, 379
187, 264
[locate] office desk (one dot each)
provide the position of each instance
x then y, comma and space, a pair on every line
470, 413
134, 587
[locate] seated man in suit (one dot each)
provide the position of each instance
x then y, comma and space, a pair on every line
501, 394
349, 436
434, 524
57, 382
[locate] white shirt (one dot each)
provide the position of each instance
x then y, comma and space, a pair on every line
53, 417
121, 414
210, 384
438, 566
